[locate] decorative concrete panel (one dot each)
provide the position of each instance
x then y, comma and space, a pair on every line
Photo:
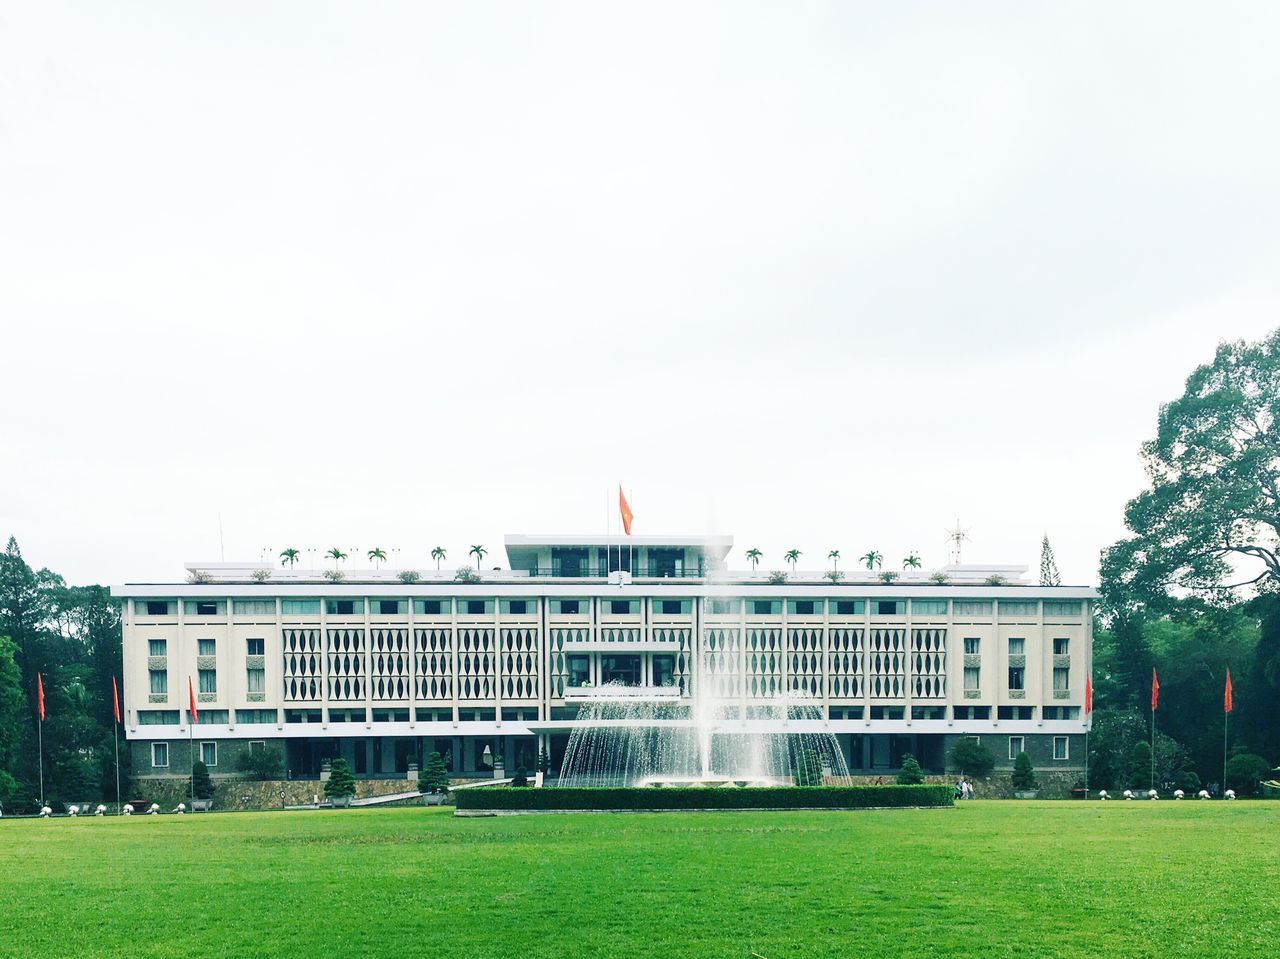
1062, 694
1018, 661
157, 697
256, 697
206, 697
1062, 661
973, 660
973, 694
1017, 694
157, 662
255, 662
206, 662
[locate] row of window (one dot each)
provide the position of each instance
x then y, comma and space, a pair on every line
618, 607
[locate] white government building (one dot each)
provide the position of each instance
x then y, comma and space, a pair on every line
382, 667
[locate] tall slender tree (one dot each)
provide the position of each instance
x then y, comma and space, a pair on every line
438, 554
289, 557
792, 556
377, 556
479, 553
754, 555
1048, 565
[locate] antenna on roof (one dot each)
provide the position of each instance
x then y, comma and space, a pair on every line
957, 538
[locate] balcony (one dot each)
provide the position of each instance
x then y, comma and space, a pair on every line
595, 571
616, 693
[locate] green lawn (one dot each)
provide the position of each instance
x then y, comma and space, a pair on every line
984, 879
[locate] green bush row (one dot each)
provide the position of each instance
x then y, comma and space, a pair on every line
779, 797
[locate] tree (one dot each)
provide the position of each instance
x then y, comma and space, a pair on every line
1024, 776
289, 557
754, 556
834, 556
872, 559
911, 562
970, 757
336, 555
521, 779
1048, 565
808, 769
911, 774
792, 556
201, 784
544, 761
261, 764
438, 554
1140, 770
478, 552
377, 556
341, 783
13, 706
1245, 771
434, 777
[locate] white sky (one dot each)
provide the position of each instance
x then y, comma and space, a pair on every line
816, 275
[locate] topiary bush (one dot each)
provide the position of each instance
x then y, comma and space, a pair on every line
766, 797
201, 784
520, 779
433, 777
1024, 776
970, 757
341, 783
911, 773
1140, 766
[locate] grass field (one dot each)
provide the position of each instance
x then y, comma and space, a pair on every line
984, 879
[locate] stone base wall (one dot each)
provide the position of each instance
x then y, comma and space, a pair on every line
1049, 785
244, 794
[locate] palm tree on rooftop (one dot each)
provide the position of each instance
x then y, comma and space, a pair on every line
377, 556
478, 552
337, 555
834, 556
792, 556
289, 557
912, 561
872, 559
438, 554
754, 555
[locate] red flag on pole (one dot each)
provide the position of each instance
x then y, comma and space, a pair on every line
115, 700
40, 695
195, 716
1155, 690
1088, 695
1227, 704
625, 510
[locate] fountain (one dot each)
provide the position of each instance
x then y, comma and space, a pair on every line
626, 740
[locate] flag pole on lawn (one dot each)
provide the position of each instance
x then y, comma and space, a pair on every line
191, 737
115, 731
1088, 708
1227, 706
40, 732
1155, 702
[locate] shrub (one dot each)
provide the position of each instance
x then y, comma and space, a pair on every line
408, 576
199, 576
520, 779
939, 578
341, 783
994, 580
682, 797
544, 761
888, 576
808, 771
970, 757
911, 773
201, 784
261, 764
261, 575
1024, 777
834, 575
334, 575
434, 776
1140, 766
1245, 771
777, 577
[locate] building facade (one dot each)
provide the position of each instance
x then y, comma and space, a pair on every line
382, 667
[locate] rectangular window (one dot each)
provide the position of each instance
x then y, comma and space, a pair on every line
972, 678
970, 607
517, 607
307, 715
213, 717
765, 607
622, 607
928, 712
1019, 608
300, 607
848, 607
1017, 646
256, 680
723, 607
972, 645
159, 755
159, 682
255, 647
152, 607
209, 754
1016, 745
1016, 712
567, 607
390, 607
1061, 678
672, 607
1063, 607
1017, 676
252, 716
204, 607
1060, 750
1061, 647
207, 680
157, 717
257, 745
430, 607
664, 670
253, 607
579, 668
890, 607
206, 647
804, 607
475, 607
972, 712
929, 607
1061, 712
344, 607
157, 647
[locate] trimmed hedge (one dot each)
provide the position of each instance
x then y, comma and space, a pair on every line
701, 797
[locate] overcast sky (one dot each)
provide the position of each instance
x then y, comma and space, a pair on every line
815, 275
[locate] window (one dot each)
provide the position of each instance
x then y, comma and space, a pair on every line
206, 647
429, 607
209, 754
152, 607
804, 607
213, 717
928, 712
1061, 678
970, 607
390, 607
1060, 750
765, 607
972, 679
886, 712
343, 607
159, 755
204, 607
1017, 676
207, 680
157, 717
305, 715
890, 607
300, 607
972, 712
1061, 647
1017, 607
475, 607
972, 645
664, 670
1016, 745
255, 647
253, 607
157, 647
622, 607
1061, 712
255, 680
1016, 712
567, 607
723, 607
579, 668
1017, 646
257, 745
1063, 607
517, 607
929, 607
159, 682
252, 716
672, 607
620, 669
848, 607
